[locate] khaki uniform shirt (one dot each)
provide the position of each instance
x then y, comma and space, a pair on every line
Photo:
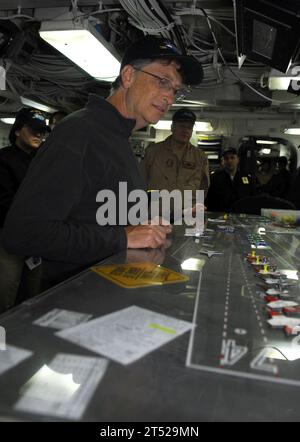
167, 168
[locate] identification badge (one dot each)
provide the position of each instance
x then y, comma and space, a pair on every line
33, 262
245, 180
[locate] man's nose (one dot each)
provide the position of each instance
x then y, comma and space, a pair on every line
168, 100
170, 96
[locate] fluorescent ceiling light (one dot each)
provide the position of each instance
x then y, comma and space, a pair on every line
292, 131
266, 151
37, 105
200, 126
189, 105
203, 126
209, 143
266, 142
8, 120
281, 82
83, 45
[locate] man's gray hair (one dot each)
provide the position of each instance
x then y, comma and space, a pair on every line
137, 64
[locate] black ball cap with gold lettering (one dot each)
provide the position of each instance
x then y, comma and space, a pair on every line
151, 47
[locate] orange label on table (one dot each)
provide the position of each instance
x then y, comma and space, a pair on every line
139, 275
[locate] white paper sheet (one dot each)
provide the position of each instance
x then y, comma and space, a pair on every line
62, 319
64, 388
11, 357
127, 335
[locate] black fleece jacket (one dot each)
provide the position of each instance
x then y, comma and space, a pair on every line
54, 213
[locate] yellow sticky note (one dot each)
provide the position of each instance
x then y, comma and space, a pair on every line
163, 329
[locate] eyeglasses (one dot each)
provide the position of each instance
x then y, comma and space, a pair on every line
165, 85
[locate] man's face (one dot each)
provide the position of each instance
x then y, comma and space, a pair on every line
148, 98
231, 162
182, 131
29, 138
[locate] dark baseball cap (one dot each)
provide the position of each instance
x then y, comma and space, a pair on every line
33, 118
229, 150
184, 115
151, 47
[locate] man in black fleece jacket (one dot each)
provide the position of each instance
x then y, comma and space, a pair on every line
54, 213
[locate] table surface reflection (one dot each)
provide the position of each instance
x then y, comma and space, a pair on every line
231, 367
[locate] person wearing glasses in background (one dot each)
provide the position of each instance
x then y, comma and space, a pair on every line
26, 136
175, 163
54, 214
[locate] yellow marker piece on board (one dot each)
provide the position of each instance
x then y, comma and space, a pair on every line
257, 260
138, 275
245, 180
163, 329
265, 269
253, 254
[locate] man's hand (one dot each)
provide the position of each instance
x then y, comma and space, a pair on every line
198, 207
147, 236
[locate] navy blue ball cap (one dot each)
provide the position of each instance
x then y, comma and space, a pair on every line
151, 47
229, 150
33, 118
184, 115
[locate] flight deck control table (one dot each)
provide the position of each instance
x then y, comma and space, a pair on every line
218, 372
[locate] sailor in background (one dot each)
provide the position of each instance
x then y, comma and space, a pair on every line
175, 164
228, 185
26, 136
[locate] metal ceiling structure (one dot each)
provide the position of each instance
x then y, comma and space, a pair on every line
205, 28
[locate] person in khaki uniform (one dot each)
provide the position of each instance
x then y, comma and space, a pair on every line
175, 164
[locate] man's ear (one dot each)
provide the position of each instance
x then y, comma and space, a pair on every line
127, 75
